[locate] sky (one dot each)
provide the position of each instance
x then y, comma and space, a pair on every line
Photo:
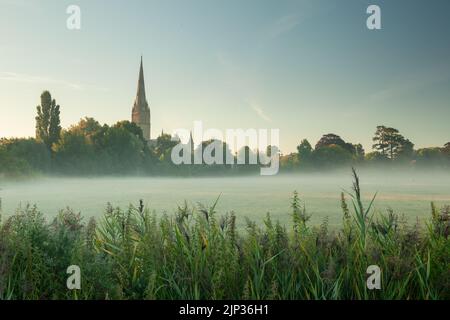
306, 67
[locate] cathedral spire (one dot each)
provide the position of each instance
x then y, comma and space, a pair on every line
140, 96
141, 112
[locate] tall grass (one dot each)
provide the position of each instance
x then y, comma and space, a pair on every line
196, 254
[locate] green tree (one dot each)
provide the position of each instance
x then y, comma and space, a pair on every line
385, 140
304, 152
48, 123
332, 156
89, 127
389, 142
359, 152
405, 150
132, 128
122, 151
290, 162
333, 139
74, 154
430, 156
11, 166
446, 149
164, 146
376, 157
35, 153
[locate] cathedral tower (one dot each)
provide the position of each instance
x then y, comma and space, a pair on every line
141, 112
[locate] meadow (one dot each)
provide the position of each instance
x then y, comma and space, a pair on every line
405, 192
198, 252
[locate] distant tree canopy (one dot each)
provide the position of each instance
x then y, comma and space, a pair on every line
333, 139
91, 148
332, 155
390, 147
132, 128
430, 156
446, 149
12, 166
163, 148
34, 153
217, 150
89, 127
330, 151
74, 153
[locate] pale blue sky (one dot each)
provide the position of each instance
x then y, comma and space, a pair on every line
307, 67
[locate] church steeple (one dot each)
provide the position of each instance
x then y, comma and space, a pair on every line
141, 111
140, 95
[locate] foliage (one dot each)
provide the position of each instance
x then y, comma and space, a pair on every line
89, 148
195, 254
391, 143
331, 139
431, 157
29, 152
331, 156
11, 166
304, 152
48, 124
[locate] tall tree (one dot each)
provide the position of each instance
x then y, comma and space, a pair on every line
48, 123
390, 143
304, 152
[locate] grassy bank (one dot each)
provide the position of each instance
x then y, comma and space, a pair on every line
197, 254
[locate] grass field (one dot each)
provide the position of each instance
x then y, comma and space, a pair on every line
408, 193
197, 253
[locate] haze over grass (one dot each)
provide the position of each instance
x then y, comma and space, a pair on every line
407, 192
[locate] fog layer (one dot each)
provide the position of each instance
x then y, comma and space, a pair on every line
408, 193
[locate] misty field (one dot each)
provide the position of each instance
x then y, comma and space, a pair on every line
195, 253
408, 193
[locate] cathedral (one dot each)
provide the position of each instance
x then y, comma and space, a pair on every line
141, 111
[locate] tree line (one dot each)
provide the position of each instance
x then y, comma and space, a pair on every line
390, 148
89, 148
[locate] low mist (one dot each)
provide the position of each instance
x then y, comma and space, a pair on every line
405, 192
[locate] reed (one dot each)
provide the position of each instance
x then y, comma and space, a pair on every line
196, 254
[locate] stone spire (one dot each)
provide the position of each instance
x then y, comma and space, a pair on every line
141, 111
140, 95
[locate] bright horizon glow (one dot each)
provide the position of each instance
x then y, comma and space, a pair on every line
307, 67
